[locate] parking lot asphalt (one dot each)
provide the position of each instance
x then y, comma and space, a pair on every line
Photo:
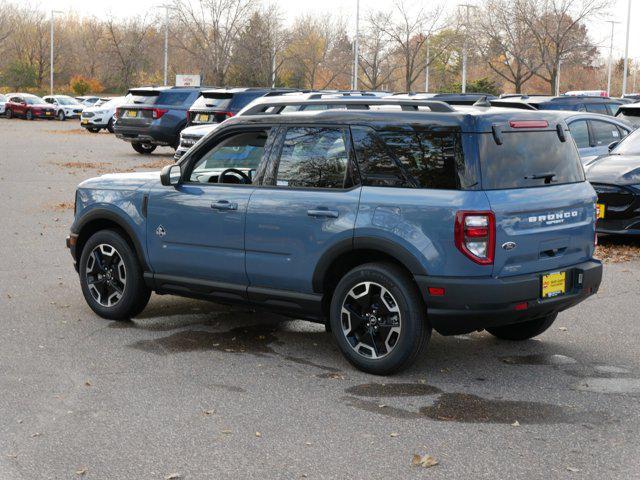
196, 390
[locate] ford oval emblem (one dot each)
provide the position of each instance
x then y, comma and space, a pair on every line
509, 245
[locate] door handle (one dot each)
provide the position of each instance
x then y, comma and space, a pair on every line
322, 212
224, 205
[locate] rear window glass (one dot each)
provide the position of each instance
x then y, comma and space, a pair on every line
525, 158
146, 99
172, 98
631, 116
218, 103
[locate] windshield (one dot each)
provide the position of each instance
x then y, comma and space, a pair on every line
629, 146
114, 102
33, 100
528, 159
67, 101
3, 98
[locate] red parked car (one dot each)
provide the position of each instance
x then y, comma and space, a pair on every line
28, 106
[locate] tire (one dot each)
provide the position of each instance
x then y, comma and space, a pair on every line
29, 115
361, 290
524, 330
143, 148
110, 126
122, 270
9, 113
61, 116
93, 129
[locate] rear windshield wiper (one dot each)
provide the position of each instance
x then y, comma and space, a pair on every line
548, 177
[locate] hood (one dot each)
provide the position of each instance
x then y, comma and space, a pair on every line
615, 169
121, 181
200, 130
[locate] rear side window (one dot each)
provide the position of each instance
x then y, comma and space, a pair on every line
528, 159
409, 157
604, 133
580, 133
597, 108
173, 98
631, 116
314, 158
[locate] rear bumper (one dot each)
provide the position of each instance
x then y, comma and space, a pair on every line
476, 303
154, 135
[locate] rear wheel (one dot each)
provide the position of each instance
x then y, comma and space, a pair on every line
94, 129
111, 277
378, 319
110, 125
143, 148
9, 113
524, 330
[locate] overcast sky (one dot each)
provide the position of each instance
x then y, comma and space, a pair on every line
291, 8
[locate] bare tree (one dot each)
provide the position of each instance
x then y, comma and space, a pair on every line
210, 29
374, 61
128, 43
557, 28
408, 31
503, 40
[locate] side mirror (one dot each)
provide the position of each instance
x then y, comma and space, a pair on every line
613, 145
170, 175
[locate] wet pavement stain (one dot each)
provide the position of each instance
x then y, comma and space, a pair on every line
539, 359
255, 339
304, 361
227, 388
392, 390
387, 411
467, 408
620, 386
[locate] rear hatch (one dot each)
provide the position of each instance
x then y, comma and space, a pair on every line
211, 107
151, 104
544, 208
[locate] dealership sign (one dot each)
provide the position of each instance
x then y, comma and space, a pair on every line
187, 80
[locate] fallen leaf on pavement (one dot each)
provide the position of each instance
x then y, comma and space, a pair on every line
227, 432
394, 434
258, 434
36, 434
172, 476
425, 461
12, 455
573, 469
562, 329
82, 472
209, 412
515, 424
87, 383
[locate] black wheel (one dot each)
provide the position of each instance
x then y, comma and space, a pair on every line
110, 125
9, 113
111, 277
378, 318
93, 129
524, 330
61, 116
29, 115
143, 148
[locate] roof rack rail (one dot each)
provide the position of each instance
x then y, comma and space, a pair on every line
275, 105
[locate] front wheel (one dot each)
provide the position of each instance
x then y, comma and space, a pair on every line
524, 330
61, 116
9, 113
378, 318
143, 148
93, 129
110, 126
29, 115
111, 277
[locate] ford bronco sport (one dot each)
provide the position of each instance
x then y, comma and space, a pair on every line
383, 223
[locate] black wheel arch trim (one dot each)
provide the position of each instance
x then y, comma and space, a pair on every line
104, 214
385, 246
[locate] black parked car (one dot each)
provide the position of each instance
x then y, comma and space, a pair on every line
155, 117
580, 103
616, 179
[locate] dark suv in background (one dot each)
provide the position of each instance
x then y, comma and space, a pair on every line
580, 103
155, 117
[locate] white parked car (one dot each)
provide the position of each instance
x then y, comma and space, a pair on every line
100, 116
3, 102
66, 106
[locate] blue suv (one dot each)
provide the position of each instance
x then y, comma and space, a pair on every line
384, 220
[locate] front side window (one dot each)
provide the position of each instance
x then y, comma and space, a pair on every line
314, 157
580, 133
604, 133
630, 145
241, 151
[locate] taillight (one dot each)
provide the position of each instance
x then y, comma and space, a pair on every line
226, 114
475, 235
158, 113
118, 113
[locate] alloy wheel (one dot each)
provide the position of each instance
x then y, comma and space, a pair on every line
371, 320
106, 275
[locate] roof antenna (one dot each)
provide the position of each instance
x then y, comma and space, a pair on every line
482, 102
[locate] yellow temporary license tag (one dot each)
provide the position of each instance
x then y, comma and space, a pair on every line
600, 209
553, 284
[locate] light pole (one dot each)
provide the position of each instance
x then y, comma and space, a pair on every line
355, 47
610, 58
626, 52
53, 12
426, 69
558, 78
166, 7
465, 46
